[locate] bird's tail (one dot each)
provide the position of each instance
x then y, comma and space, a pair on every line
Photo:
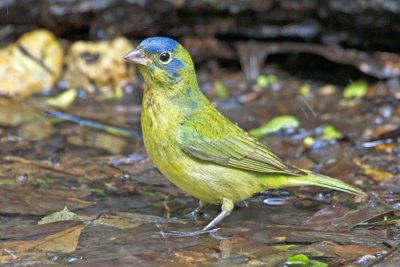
321, 180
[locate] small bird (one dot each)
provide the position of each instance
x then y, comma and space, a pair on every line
196, 147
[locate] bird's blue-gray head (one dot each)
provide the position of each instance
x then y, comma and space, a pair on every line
163, 61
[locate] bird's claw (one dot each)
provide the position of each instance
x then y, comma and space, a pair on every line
189, 234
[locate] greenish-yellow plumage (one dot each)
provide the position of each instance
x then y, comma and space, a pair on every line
197, 148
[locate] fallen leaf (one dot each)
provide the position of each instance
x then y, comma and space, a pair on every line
329, 133
63, 215
120, 220
378, 175
266, 80
302, 260
354, 252
220, 90
357, 90
386, 218
276, 124
65, 240
64, 99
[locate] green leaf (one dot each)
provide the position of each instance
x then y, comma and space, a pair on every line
305, 90
309, 141
276, 124
301, 260
266, 80
64, 99
357, 90
330, 133
220, 90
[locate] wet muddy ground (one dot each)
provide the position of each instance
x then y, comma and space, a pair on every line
119, 205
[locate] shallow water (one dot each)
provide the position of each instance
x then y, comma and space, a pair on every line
89, 171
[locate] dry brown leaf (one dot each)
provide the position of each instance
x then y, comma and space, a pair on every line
378, 175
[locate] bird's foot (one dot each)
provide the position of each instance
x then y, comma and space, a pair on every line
227, 207
189, 233
194, 214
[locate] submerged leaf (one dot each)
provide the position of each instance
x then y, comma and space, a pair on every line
63, 215
64, 240
120, 220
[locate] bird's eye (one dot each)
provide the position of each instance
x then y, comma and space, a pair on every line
165, 58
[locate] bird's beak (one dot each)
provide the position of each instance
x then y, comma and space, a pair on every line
137, 56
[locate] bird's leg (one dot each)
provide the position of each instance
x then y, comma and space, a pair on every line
226, 208
194, 213
189, 216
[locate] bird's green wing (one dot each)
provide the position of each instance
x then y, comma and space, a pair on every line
216, 139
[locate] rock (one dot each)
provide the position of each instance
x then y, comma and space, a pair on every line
360, 24
30, 65
99, 65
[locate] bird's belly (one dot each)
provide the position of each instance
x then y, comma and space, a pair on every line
219, 182
206, 181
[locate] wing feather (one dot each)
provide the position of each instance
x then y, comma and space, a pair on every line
229, 146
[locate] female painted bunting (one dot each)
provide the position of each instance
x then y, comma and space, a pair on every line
197, 148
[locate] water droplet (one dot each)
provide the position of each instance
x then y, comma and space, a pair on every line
275, 201
366, 259
324, 195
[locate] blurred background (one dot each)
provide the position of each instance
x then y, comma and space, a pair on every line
318, 81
